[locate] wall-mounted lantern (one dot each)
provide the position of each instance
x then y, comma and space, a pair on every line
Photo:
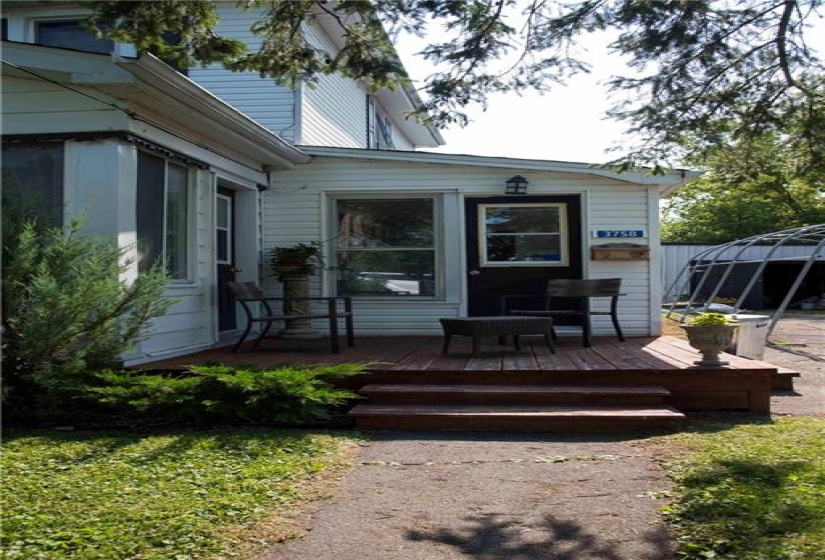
516, 185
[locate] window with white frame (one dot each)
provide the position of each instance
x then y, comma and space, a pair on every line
163, 214
387, 247
528, 234
72, 34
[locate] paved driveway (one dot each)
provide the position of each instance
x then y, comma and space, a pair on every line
801, 347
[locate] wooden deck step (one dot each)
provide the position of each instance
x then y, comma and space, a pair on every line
489, 418
509, 394
782, 380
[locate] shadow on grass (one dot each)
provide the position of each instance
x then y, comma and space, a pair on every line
493, 538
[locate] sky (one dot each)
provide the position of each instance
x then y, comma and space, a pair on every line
566, 124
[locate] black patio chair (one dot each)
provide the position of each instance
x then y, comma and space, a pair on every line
257, 308
581, 291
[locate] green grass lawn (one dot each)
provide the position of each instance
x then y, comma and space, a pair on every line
748, 491
743, 492
183, 495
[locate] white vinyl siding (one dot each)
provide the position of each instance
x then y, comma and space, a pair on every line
334, 112
297, 210
331, 114
35, 106
261, 99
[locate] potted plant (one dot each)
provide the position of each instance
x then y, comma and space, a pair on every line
710, 333
300, 259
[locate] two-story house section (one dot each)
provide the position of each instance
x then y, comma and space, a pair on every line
338, 112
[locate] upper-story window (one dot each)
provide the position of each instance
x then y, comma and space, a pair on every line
379, 128
70, 34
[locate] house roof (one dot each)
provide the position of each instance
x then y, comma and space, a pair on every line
666, 183
142, 82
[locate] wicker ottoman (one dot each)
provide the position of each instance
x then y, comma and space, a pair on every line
501, 326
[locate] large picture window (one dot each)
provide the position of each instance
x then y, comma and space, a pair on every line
163, 214
386, 247
530, 234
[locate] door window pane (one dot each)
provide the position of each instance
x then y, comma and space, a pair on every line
386, 247
523, 234
223, 225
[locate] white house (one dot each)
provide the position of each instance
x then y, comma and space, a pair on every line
213, 169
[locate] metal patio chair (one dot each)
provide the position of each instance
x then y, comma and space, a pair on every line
258, 309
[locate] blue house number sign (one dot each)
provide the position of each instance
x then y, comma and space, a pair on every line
619, 233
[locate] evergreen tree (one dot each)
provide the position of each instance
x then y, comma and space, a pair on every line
66, 310
700, 64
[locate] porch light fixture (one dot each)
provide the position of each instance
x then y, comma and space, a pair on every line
516, 185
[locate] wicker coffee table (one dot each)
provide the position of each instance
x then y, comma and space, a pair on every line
500, 326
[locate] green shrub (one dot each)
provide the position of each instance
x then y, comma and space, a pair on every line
218, 393
65, 309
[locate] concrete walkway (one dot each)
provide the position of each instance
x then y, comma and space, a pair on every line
427, 496
445, 496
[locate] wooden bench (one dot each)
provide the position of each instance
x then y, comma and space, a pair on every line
502, 327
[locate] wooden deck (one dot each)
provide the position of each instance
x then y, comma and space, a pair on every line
664, 353
662, 362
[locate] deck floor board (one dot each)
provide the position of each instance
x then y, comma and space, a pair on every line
424, 354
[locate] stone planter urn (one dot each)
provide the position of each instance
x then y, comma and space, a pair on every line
710, 340
293, 266
296, 285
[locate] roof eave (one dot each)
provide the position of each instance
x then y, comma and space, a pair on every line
256, 138
665, 183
